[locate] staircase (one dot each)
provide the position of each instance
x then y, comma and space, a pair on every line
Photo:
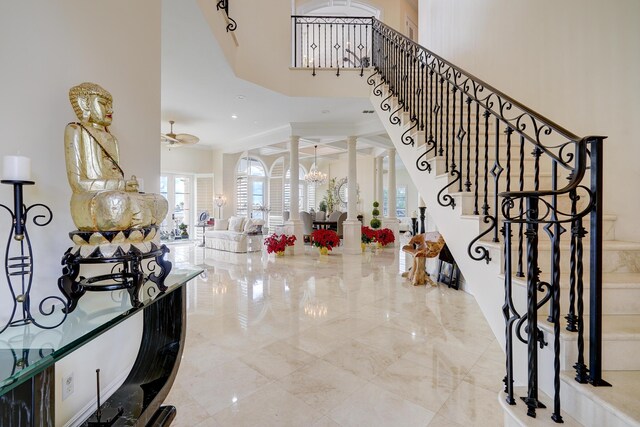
519, 202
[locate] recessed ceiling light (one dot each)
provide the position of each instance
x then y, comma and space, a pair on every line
241, 97
326, 111
234, 116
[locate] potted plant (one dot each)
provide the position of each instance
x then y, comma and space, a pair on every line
368, 236
323, 206
183, 231
375, 222
278, 243
328, 198
325, 240
385, 237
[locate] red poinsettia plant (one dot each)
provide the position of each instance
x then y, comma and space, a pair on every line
278, 243
325, 239
368, 234
385, 236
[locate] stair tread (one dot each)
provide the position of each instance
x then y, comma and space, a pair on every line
615, 327
565, 243
613, 280
543, 415
622, 398
605, 217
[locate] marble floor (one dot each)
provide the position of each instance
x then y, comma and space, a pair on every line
338, 340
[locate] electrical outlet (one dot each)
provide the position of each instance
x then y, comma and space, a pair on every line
67, 386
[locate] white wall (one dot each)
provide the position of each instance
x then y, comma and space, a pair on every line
186, 160
46, 48
575, 61
266, 60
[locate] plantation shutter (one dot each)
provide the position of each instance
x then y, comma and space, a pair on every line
204, 194
276, 193
241, 195
311, 197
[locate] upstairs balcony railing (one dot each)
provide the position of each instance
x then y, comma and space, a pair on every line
508, 165
334, 42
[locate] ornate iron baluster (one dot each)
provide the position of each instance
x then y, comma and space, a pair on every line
537, 152
468, 134
485, 206
532, 304
496, 171
453, 125
437, 108
476, 185
571, 317
430, 109
520, 272
509, 314
422, 96
579, 232
444, 132
467, 183
554, 309
508, 131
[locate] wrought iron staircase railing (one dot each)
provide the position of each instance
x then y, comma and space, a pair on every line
481, 139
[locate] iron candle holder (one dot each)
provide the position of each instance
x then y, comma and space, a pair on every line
19, 268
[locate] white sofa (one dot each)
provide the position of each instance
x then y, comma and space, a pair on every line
237, 234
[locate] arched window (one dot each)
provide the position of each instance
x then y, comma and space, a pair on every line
347, 8
251, 179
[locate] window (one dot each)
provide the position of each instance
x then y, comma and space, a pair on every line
401, 201
251, 180
178, 190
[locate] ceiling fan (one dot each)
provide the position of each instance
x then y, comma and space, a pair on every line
178, 140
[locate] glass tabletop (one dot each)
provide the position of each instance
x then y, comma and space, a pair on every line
28, 350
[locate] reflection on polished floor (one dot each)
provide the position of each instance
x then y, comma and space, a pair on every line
330, 341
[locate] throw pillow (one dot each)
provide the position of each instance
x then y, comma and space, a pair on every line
221, 224
236, 224
248, 226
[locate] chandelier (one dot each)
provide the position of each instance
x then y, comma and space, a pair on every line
315, 176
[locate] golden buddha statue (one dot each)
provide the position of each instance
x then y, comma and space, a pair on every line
102, 200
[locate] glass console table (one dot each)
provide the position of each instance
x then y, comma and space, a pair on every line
28, 355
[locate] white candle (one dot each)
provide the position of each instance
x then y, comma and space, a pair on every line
16, 168
421, 204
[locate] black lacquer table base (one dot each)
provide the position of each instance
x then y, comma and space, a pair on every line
128, 273
32, 403
155, 368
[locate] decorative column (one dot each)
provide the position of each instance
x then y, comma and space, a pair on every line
390, 221
351, 227
294, 225
379, 196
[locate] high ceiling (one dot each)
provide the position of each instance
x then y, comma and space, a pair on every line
201, 93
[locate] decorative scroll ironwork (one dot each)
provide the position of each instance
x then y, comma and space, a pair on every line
453, 108
224, 5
